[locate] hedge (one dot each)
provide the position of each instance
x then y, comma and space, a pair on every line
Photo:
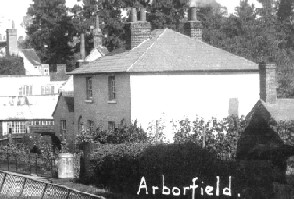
121, 167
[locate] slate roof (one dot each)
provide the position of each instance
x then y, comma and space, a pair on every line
32, 56
27, 107
169, 51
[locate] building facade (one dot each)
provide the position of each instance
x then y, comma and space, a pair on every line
163, 73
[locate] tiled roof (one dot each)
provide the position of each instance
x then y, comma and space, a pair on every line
27, 107
32, 56
169, 51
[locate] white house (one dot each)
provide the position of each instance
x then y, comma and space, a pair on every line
165, 72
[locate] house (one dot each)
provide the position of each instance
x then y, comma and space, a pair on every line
26, 104
64, 114
32, 63
28, 85
64, 111
163, 72
24, 115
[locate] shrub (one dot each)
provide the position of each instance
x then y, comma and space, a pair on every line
221, 136
120, 167
116, 165
122, 134
11, 66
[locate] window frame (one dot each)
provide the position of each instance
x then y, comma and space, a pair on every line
111, 125
63, 128
89, 88
90, 125
111, 88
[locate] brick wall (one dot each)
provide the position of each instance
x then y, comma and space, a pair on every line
193, 29
62, 113
137, 32
100, 110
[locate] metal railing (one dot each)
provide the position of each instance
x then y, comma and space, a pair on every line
30, 163
18, 186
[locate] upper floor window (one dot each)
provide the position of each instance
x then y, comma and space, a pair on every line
47, 90
63, 128
26, 90
111, 88
89, 88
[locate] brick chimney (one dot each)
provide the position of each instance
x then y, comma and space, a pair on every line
11, 41
137, 31
267, 82
97, 34
193, 28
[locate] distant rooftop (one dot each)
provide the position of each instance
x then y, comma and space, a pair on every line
32, 56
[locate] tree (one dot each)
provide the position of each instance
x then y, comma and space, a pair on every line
11, 66
51, 31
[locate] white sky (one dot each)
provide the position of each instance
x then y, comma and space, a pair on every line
15, 9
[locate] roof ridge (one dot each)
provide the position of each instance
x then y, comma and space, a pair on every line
145, 50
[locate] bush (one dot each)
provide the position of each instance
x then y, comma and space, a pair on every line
122, 134
113, 163
120, 167
11, 66
221, 136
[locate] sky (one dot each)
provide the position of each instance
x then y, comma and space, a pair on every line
16, 9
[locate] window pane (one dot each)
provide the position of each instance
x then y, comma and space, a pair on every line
111, 125
111, 87
89, 87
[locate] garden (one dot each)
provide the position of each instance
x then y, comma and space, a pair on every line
128, 162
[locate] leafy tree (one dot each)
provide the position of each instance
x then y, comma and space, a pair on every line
11, 66
51, 31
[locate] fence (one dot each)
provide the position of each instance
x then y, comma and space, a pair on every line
28, 163
17, 186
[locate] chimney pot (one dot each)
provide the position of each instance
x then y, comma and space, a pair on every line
192, 14
133, 15
139, 31
143, 14
82, 46
267, 82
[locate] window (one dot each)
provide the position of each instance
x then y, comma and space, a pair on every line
89, 88
16, 127
111, 125
25, 90
63, 128
90, 125
47, 90
111, 88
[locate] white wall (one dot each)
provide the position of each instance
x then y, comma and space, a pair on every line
178, 96
10, 84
